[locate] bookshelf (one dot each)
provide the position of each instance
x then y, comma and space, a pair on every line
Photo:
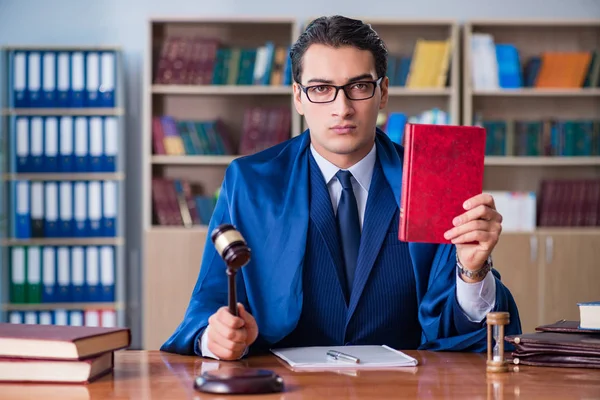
62, 194
541, 130
220, 87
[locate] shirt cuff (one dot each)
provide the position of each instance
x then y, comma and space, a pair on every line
476, 299
204, 346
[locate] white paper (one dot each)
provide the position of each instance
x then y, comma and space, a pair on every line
370, 357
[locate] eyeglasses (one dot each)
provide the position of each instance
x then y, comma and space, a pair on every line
360, 90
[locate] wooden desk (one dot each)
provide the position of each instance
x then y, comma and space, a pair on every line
156, 375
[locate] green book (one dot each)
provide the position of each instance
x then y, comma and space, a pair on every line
34, 275
18, 271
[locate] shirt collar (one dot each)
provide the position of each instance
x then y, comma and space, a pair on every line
362, 170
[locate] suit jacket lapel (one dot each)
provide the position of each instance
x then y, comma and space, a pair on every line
321, 213
381, 207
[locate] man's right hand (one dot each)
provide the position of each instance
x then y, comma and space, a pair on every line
229, 336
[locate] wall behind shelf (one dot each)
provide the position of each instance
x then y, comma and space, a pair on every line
124, 23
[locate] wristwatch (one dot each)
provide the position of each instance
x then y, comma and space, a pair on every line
478, 274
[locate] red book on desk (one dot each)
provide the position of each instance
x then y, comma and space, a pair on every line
443, 167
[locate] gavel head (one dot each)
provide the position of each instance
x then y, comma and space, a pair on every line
231, 246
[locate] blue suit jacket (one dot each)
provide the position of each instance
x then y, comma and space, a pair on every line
266, 196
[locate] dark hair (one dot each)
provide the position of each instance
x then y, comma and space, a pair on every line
337, 31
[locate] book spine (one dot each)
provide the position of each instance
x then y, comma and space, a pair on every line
408, 144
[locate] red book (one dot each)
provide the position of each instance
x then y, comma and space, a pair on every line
443, 167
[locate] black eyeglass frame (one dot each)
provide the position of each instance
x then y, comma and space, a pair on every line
305, 89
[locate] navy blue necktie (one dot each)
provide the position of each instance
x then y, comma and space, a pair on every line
349, 225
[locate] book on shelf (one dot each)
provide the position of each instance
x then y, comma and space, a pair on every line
569, 203
58, 353
62, 78
175, 204
426, 67
198, 60
501, 66
262, 127
541, 137
393, 123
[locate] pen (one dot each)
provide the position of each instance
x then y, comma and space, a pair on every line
339, 356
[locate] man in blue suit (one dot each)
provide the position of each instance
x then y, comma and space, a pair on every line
320, 214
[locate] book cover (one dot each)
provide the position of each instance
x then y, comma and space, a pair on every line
60, 342
442, 168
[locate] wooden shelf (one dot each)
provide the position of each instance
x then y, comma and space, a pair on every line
62, 48
64, 111
86, 176
192, 160
100, 241
222, 89
404, 91
64, 306
518, 161
534, 92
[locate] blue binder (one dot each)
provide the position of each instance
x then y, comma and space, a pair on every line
21, 140
77, 79
48, 79
108, 78
51, 145
95, 208
34, 79
81, 141
92, 78
66, 145
18, 74
65, 216
80, 208
21, 210
109, 208
111, 144
92, 271
63, 79
78, 274
96, 144
49, 281
107, 273
51, 226
63, 275
36, 144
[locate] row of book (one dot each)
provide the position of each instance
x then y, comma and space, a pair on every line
62, 79
197, 60
427, 67
64, 144
186, 137
175, 203
64, 209
262, 127
106, 318
572, 202
62, 274
393, 123
499, 65
547, 137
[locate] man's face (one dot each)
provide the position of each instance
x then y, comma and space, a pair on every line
342, 131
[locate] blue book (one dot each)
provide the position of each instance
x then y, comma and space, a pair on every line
34, 79
49, 79
63, 79
108, 79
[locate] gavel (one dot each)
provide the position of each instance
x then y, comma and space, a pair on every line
233, 249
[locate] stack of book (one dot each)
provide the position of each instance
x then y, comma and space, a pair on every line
58, 354
568, 344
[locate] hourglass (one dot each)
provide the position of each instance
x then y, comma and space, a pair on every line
495, 351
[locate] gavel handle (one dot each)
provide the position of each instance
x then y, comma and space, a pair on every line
232, 292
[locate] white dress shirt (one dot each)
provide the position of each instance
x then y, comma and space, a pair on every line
475, 299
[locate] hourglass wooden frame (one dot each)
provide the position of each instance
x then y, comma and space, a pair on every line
495, 358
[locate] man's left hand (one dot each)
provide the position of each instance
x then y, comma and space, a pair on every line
476, 231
